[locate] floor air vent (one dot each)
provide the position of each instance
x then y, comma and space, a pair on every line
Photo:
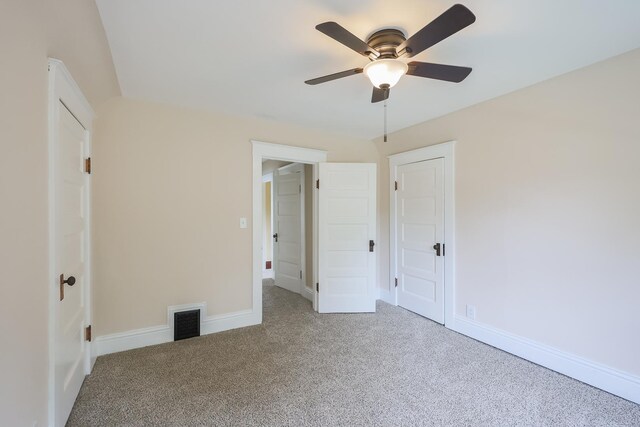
186, 324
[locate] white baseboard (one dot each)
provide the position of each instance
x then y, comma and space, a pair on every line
128, 340
386, 296
144, 337
598, 375
225, 322
307, 292
267, 274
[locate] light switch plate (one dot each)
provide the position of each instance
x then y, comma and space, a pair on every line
471, 312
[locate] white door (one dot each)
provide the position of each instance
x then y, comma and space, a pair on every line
287, 237
346, 229
70, 249
420, 233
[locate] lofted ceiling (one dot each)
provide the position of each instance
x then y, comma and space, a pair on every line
251, 57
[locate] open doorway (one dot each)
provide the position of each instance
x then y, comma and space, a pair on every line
286, 155
287, 220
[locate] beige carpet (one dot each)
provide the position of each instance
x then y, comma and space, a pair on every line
300, 368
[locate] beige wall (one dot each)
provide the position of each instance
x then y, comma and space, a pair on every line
169, 187
30, 31
23, 216
547, 209
75, 35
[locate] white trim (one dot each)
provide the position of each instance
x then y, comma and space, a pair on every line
620, 383
314, 235
225, 322
447, 152
307, 292
386, 296
113, 343
260, 151
268, 274
137, 338
62, 88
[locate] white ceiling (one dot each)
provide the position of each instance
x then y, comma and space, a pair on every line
251, 57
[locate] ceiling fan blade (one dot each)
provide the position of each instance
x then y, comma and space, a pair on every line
450, 73
450, 22
379, 94
334, 76
340, 34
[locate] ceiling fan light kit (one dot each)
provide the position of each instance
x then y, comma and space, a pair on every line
385, 72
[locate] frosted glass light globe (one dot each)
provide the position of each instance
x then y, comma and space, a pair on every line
385, 71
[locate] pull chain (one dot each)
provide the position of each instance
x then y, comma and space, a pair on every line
385, 120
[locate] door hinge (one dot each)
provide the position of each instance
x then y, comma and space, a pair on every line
443, 249
317, 287
396, 282
301, 274
299, 188
318, 184
87, 165
396, 185
87, 333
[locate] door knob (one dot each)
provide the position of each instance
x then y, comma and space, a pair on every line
275, 236
70, 281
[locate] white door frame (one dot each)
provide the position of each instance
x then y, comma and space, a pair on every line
299, 168
265, 150
62, 88
445, 151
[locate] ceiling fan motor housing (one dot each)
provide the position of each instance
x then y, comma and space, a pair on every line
386, 41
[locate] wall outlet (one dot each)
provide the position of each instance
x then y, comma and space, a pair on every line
243, 222
471, 312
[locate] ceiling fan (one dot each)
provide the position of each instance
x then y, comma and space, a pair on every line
385, 47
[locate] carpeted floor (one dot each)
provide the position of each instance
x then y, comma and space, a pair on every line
299, 368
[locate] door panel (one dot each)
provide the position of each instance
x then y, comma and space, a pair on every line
70, 193
287, 250
420, 225
346, 223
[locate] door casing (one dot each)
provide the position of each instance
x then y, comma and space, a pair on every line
445, 151
265, 150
